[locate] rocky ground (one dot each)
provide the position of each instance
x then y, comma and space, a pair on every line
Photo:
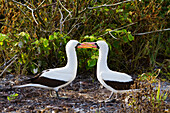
84, 95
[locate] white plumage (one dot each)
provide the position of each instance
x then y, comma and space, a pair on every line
112, 80
58, 77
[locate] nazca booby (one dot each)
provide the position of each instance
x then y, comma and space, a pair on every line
58, 77
116, 82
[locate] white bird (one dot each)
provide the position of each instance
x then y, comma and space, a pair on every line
58, 77
116, 82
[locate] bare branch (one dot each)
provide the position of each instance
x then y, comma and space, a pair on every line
112, 35
105, 5
71, 29
40, 4
8, 66
124, 26
23, 13
118, 29
6, 63
9, 26
29, 3
3, 57
61, 23
64, 8
62, 19
151, 32
47, 5
109, 5
32, 10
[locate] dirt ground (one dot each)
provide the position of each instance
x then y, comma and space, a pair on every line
84, 95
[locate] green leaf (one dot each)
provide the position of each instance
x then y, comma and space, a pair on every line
119, 10
22, 34
45, 42
165, 96
108, 30
124, 30
36, 42
8, 98
12, 96
91, 63
1, 43
118, 31
130, 37
65, 41
2, 38
94, 57
25, 36
125, 39
92, 38
100, 38
129, 20
55, 35
51, 37
158, 93
106, 9
116, 44
87, 36
23, 57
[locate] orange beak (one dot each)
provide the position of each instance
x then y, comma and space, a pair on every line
88, 45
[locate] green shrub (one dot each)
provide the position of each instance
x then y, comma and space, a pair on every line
87, 20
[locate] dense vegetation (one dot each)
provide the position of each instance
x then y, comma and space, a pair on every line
37, 32
33, 35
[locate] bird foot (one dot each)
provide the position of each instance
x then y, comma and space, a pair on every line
111, 100
107, 101
62, 98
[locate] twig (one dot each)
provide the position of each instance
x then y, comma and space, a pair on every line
124, 26
9, 26
71, 30
24, 13
151, 32
112, 35
34, 17
8, 66
47, 5
3, 57
29, 3
6, 63
61, 23
40, 4
105, 5
64, 8
32, 10
109, 5
62, 19
77, 7
118, 29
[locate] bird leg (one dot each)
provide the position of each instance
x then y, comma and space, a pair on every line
59, 96
111, 95
110, 98
52, 94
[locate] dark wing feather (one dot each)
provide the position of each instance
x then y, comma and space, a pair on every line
119, 85
38, 79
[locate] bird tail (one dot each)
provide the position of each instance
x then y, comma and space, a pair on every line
20, 86
135, 90
24, 83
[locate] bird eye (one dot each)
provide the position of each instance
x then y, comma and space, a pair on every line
97, 45
77, 45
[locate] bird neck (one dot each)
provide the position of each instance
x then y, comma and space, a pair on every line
102, 60
71, 60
